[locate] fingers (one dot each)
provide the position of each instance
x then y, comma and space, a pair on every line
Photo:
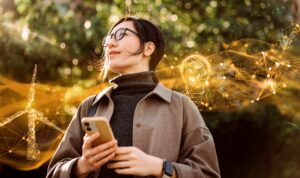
120, 165
128, 156
103, 147
103, 154
128, 171
104, 160
124, 150
88, 140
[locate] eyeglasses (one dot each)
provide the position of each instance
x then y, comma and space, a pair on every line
118, 35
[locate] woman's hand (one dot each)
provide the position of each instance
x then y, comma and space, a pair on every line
94, 157
133, 161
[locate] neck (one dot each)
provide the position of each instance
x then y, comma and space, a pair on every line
135, 83
135, 70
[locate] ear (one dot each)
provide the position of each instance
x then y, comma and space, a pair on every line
149, 48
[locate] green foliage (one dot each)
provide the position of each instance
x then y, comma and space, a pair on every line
61, 32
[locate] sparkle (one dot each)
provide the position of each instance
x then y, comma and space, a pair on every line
75, 61
62, 45
87, 24
25, 33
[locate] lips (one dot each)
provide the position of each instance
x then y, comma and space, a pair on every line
113, 53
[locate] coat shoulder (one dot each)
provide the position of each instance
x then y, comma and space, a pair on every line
182, 97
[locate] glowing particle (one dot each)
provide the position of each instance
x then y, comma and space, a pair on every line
67, 71
113, 19
75, 61
288, 65
201, 27
270, 83
221, 64
174, 17
90, 68
270, 68
225, 95
25, 33
87, 24
213, 4
215, 31
226, 24
206, 83
257, 99
172, 67
253, 76
192, 79
268, 75
252, 101
277, 64
274, 92
224, 77
284, 85
10, 151
62, 45
190, 43
247, 3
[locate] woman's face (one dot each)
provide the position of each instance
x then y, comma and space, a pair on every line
120, 53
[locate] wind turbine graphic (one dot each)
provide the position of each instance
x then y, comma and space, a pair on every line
33, 151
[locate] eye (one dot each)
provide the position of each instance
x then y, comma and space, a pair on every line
120, 32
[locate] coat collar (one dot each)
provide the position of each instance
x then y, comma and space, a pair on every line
160, 90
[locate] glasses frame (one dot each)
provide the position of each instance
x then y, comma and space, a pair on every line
113, 35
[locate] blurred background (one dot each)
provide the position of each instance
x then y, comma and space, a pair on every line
239, 60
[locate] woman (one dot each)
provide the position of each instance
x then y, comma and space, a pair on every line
159, 132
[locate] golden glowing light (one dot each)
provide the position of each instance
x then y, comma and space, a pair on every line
25, 33
87, 24
225, 80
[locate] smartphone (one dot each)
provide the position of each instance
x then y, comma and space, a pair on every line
98, 124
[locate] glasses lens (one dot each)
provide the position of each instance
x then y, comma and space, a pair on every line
120, 34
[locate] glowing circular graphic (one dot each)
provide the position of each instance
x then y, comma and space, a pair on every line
195, 71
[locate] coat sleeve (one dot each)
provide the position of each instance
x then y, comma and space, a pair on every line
70, 147
198, 158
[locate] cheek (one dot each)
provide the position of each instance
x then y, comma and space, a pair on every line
132, 45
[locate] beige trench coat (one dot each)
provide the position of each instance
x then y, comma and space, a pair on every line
166, 124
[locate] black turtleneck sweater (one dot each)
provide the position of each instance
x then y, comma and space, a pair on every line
131, 88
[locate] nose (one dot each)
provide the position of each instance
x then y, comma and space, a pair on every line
112, 43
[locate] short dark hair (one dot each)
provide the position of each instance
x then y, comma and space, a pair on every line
148, 32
